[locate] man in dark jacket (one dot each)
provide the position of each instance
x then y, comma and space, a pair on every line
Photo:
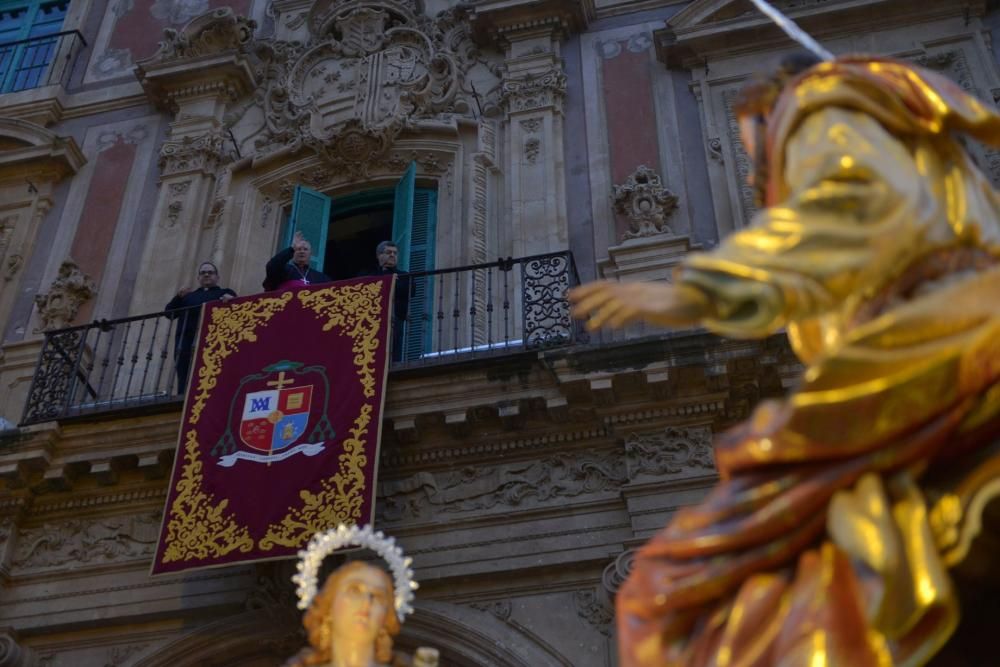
290, 267
186, 308
387, 254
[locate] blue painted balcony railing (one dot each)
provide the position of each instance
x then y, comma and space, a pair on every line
469, 312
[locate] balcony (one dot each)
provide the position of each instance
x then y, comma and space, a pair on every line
40, 61
453, 315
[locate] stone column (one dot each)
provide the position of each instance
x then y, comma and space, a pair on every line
530, 33
196, 73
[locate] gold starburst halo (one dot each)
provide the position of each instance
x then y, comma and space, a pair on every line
323, 544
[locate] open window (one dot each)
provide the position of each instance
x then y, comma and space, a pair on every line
28, 41
345, 230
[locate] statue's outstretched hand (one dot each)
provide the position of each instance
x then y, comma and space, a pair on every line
614, 304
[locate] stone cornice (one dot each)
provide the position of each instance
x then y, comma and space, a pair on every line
499, 20
397, 459
39, 151
169, 84
717, 28
131, 498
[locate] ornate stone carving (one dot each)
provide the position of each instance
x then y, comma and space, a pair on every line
715, 150
214, 32
273, 590
532, 147
531, 124
322, 178
176, 204
646, 204
499, 608
426, 494
120, 655
266, 209
617, 572
203, 153
97, 542
12, 264
595, 609
371, 69
534, 91
741, 160
670, 452
953, 63
12, 654
70, 290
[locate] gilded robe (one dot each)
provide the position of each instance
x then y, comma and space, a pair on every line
878, 253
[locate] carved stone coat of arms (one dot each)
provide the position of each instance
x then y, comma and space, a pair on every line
371, 69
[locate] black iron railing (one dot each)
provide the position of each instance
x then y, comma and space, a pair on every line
111, 365
38, 61
486, 309
506, 306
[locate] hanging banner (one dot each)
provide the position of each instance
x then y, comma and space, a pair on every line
282, 422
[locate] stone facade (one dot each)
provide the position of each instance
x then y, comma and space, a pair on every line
520, 484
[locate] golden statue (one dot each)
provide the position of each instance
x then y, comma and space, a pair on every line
353, 619
828, 538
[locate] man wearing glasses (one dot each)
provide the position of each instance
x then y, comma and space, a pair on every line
185, 306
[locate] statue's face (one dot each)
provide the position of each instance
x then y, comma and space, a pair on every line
360, 606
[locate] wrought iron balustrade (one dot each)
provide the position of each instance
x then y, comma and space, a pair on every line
109, 365
485, 309
38, 61
454, 314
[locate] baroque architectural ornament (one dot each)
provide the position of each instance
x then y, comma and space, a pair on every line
645, 203
214, 32
199, 154
85, 542
70, 290
670, 452
534, 91
370, 70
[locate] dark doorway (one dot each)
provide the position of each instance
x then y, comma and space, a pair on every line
358, 223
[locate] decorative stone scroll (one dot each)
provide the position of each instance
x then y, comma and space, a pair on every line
646, 204
214, 32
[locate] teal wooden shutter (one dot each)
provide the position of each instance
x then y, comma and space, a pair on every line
402, 216
420, 332
311, 216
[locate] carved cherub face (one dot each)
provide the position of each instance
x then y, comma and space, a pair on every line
359, 608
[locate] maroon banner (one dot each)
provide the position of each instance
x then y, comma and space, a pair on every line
282, 422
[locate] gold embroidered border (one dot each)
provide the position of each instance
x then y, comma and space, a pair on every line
340, 501
356, 310
198, 527
229, 327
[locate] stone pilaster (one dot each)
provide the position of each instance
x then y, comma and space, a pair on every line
195, 75
530, 33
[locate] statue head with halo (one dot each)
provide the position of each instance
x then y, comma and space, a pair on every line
352, 619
